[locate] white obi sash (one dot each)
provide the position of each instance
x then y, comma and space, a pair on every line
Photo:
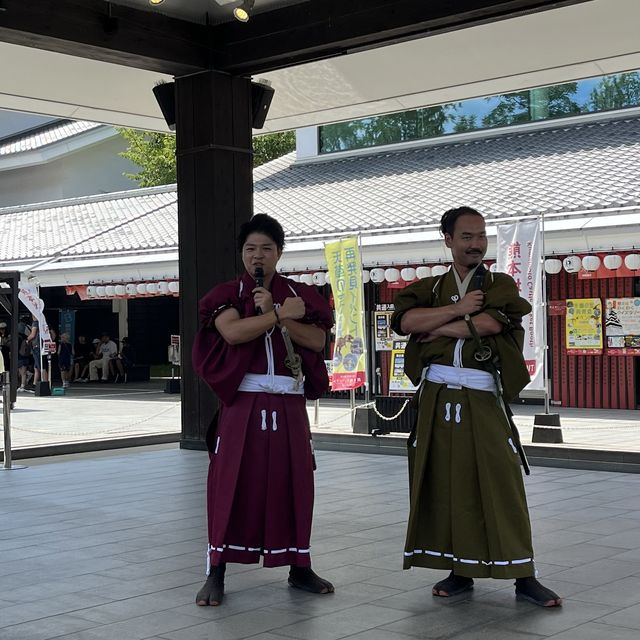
264, 383
458, 377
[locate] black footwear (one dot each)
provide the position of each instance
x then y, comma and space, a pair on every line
306, 579
530, 589
212, 592
452, 586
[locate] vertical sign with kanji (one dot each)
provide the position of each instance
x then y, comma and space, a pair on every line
345, 275
519, 255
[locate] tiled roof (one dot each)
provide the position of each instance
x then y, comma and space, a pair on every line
45, 135
118, 222
571, 168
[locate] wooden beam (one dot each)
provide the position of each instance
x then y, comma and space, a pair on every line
321, 29
107, 32
303, 32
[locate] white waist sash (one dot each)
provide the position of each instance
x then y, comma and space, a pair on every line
458, 377
263, 383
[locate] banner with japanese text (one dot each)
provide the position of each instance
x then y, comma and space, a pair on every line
519, 254
622, 323
398, 380
345, 276
29, 296
583, 324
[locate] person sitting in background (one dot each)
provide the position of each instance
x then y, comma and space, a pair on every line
123, 361
83, 354
107, 350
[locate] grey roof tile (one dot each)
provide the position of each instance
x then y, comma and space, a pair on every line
45, 135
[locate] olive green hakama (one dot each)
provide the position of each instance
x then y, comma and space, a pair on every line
468, 509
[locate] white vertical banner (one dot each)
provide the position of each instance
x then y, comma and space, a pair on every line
29, 296
519, 254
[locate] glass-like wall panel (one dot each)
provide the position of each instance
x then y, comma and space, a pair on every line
592, 95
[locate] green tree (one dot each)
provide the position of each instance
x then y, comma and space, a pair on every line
390, 128
616, 92
272, 145
462, 123
155, 153
535, 104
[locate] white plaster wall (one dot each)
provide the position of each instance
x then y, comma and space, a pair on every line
92, 170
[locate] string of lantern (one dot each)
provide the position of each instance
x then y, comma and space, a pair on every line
133, 289
574, 263
553, 265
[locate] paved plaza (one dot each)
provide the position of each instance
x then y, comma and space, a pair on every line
96, 412
111, 545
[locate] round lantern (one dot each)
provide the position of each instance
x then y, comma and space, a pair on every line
307, 278
591, 263
131, 289
120, 289
572, 264
632, 261
494, 267
294, 276
163, 287
439, 270
101, 292
408, 274
141, 288
110, 290
174, 286
392, 275
366, 276
319, 278
152, 287
377, 275
553, 265
423, 272
91, 291
613, 261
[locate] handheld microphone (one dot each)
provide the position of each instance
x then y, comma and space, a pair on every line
258, 276
477, 280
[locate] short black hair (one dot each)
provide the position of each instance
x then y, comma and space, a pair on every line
262, 223
449, 218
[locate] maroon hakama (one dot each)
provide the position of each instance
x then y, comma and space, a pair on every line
260, 486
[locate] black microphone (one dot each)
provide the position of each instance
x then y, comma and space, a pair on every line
477, 280
258, 276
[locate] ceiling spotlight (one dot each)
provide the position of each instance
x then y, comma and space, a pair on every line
154, 2
243, 12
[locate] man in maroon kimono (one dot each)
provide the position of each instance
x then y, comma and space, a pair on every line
260, 485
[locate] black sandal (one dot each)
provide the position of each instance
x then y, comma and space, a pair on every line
306, 579
452, 586
530, 589
212, 593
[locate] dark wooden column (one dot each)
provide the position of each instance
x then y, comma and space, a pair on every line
215, 196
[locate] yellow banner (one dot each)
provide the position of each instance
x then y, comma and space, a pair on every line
345, 275
584, 326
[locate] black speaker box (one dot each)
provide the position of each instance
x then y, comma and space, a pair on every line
261, 97
165, 95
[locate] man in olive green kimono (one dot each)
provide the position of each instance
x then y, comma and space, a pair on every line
468, 507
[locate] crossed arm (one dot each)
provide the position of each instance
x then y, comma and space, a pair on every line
435, 322
237, 330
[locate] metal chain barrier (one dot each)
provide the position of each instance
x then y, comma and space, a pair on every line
366, 405
93, 433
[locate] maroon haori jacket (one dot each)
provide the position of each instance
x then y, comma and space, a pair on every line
223, 366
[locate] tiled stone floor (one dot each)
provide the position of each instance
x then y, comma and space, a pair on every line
111, 546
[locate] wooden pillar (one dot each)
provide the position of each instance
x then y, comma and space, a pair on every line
215, 196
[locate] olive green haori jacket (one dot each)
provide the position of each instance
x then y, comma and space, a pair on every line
468, 510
